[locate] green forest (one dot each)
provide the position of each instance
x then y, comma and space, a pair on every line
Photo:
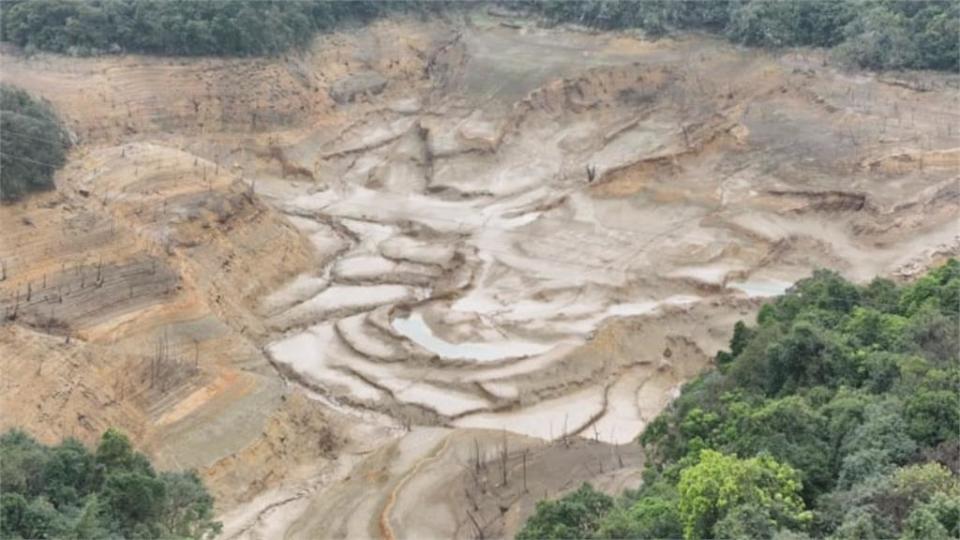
875, 34
184, 27
835, 416
67, 491
33, 144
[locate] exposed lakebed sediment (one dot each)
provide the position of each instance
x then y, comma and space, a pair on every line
350, 260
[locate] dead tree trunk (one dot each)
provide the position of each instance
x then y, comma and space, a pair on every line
525, 470
503, 460
196, 356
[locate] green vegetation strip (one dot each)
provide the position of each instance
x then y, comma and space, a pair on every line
874, 34
67, 491
185, 27
835, 416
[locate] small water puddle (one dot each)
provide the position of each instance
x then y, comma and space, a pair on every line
762, 288
642, 308
418, 331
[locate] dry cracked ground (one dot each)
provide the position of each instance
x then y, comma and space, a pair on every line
406, 283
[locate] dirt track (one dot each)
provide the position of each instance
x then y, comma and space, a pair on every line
280, 266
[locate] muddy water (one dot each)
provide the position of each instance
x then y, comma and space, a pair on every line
417, 330
761, 288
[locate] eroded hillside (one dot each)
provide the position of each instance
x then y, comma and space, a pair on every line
390, 269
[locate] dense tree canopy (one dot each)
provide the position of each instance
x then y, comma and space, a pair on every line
574, 516
32, 144
837, 415
722, 491
183, 27
66, 491
876, 34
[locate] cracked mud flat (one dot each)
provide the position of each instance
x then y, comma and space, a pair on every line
455, 272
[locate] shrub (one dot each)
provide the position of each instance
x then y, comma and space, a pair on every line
33, 144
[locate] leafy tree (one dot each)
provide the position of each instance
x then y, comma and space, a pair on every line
742, 334
187, 510
870, 329
770, 23
65, 491
934, 32
932, 332
40, 519
747, 522
880, 371
576, 515
13, 507
21, 469
133, 499
881, 295
88, 523
808, 355
945, 507
116, 453
880, 39
719, 484
862, 465
34, 144
939, 288
919, 483
933, 415
864, 523
69, 473
650, 517
883, 430
922, 524
825, 297
791, 431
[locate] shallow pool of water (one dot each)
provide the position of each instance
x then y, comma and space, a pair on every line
418, 331
762, 288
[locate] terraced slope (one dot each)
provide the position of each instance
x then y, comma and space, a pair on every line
319, 278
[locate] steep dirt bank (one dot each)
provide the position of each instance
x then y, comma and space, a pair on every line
319, 278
